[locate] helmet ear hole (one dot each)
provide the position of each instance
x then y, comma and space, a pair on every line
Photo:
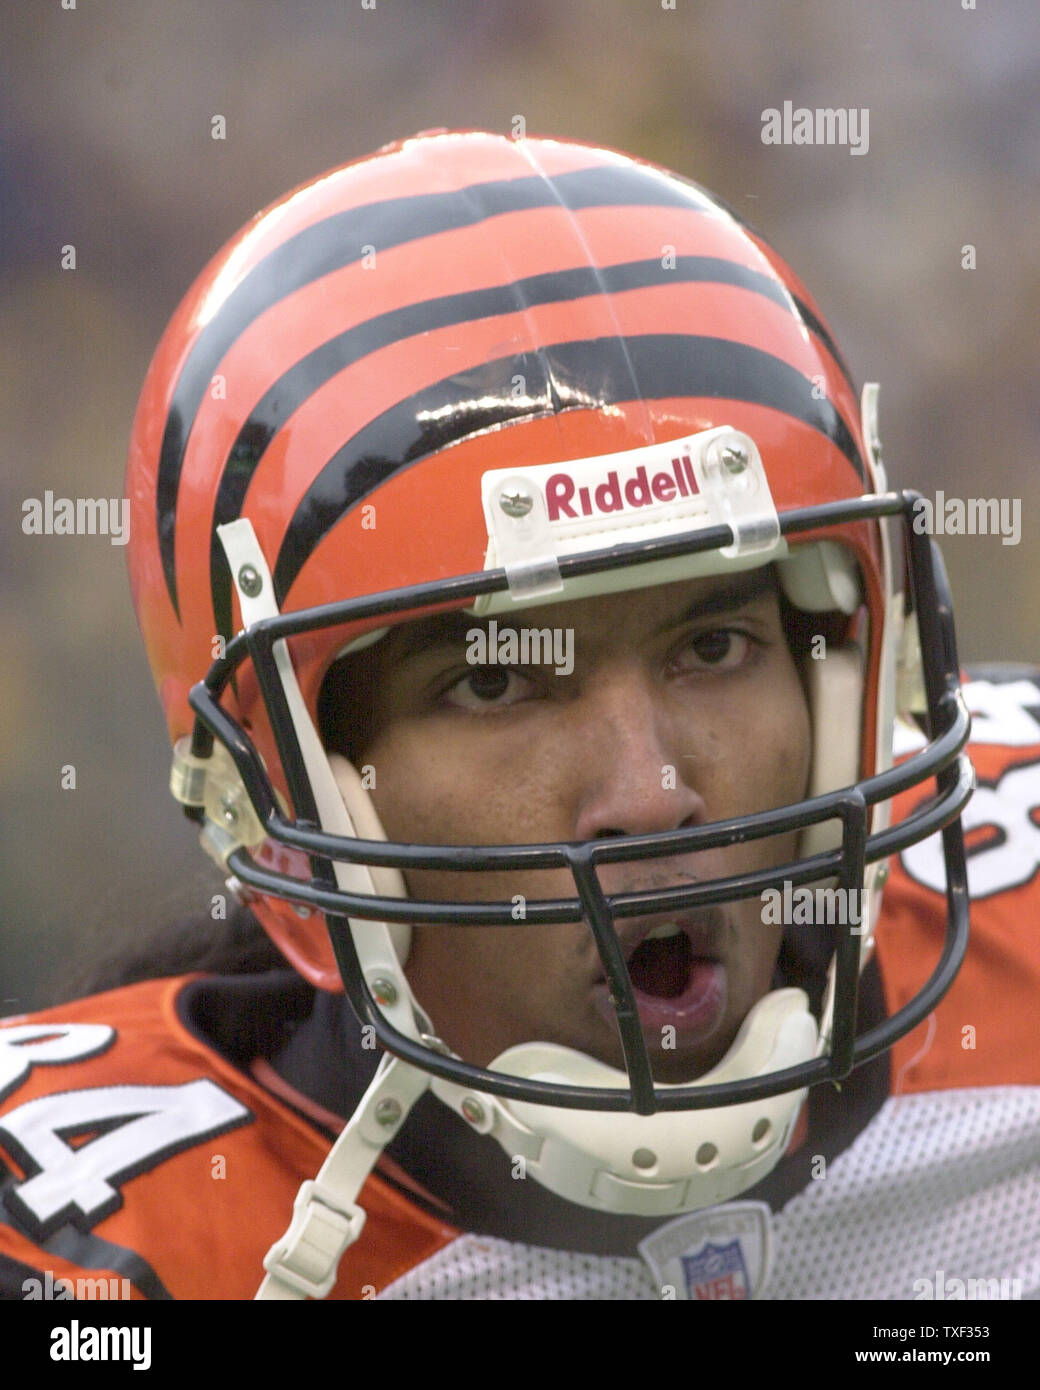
302, 940
299, 932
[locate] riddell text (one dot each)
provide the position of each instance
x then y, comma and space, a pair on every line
612, 496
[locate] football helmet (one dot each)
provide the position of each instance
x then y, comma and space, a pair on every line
481, 373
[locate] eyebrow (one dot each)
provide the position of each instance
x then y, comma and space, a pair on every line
736, 591
424, 635
448, 629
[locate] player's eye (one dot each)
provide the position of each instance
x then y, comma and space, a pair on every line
489, 687
721, 649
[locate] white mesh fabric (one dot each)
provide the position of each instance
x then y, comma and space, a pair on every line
948, 1181
939, 1187
487, 1268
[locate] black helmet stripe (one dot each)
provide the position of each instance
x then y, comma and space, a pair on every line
293, 388
337, 241
560, 377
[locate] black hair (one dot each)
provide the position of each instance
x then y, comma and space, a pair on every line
236, 946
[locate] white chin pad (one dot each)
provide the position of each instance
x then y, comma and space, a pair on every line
388, 883
664, 1163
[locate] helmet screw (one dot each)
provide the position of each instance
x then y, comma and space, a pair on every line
227, 802
249, 581
516, 503
301, 910
241, 893
384, 990
387, 1112
472, 1110
733, 457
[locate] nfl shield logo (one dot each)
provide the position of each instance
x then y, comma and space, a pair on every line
721, 1253
716, 1272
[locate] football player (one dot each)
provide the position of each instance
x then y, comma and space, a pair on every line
554, 676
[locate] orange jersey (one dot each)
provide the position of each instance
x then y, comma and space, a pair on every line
141, 1154
987, 1030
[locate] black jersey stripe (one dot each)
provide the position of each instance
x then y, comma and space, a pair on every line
337, 241
14, 1275
562, 376
88, 1251
285, 396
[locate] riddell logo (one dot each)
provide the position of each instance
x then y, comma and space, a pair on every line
564, 498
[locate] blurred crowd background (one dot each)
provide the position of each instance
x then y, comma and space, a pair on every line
106, 112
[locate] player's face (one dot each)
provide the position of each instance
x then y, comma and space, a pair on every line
684, 706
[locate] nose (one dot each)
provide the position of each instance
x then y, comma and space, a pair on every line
636, 758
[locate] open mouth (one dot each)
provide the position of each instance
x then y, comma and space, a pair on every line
661, 963
676, 986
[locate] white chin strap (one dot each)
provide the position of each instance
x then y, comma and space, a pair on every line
326, 1216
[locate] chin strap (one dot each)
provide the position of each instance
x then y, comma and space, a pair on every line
326, 1217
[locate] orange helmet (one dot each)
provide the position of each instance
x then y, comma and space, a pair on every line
476, 372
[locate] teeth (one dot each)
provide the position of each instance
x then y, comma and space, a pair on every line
665, 929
